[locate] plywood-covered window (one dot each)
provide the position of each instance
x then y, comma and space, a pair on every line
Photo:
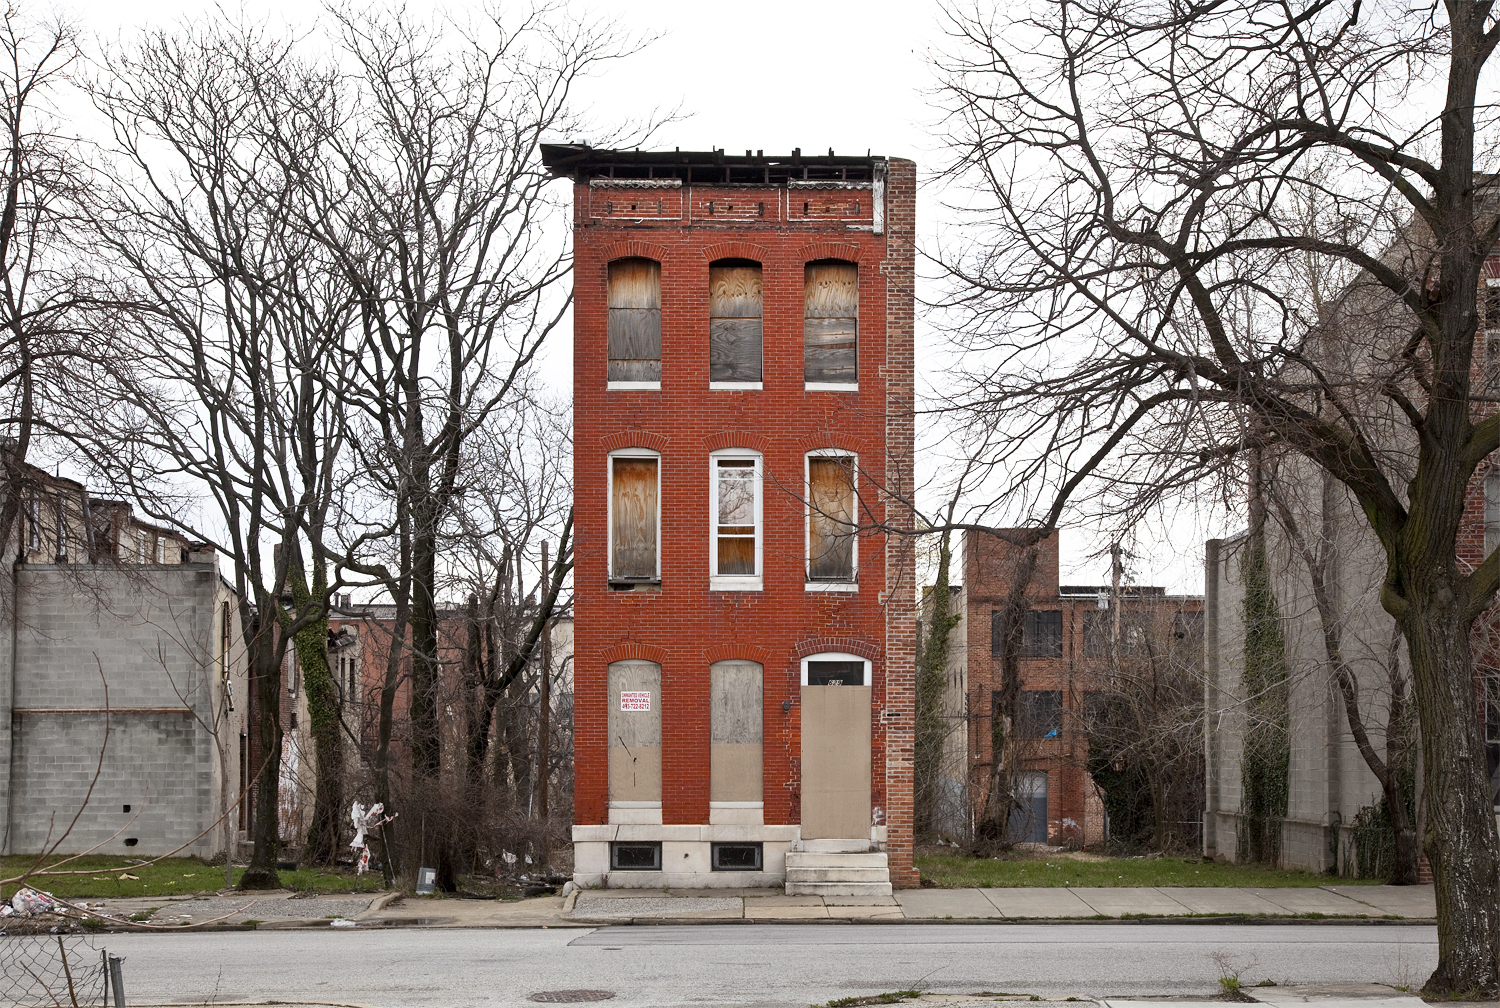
734, 321
635, 321
830, 329
736, 519
735, 716
830, 517
634, 517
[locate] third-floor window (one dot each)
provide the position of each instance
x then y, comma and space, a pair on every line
635, 323
831, 325
734, 322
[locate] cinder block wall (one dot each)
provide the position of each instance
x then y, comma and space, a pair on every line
141, 642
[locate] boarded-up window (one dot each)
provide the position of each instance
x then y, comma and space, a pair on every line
635, 320
633, 518
734, 321
735, 707
830, 529
831, 323
736, 515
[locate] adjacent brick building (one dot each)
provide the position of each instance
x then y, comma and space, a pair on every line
1073, 636
742, 406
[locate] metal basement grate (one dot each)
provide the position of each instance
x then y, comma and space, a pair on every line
572, 996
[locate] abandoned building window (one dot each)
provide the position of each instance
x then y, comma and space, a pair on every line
830, 518
830, 327
1040, 714
736, 520
140, 546
635, 855
34, 521
161, 550
735, 856
634, 518
1187, 630
736, 734
62, 528
1492, 306
734, 322
835, 669
635, 322
1097, 626
1041, 637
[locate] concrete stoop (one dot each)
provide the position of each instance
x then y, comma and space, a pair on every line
837, 868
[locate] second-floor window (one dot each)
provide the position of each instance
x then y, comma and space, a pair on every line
830, 326
734, 322
634, 518
830, 518
736, 520
635, 322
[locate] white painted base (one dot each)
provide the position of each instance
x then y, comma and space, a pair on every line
685, 855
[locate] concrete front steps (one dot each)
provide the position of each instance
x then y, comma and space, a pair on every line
837, 868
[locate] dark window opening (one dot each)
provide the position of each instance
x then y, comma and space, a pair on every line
635, 856
131, 841
1040, 715
835, 673
125, 808
1041, 635
736, 856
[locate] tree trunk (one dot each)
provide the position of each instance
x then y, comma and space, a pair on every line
992, 832
1461, 840
266, 828
323, 713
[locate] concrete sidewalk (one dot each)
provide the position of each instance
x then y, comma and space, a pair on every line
592, 907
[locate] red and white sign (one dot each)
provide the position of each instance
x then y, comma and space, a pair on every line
635, 701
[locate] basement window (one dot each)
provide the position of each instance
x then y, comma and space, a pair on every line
736, 856
635, 855
635, 324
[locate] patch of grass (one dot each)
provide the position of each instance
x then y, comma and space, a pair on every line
958, 871
106, 877
890, 997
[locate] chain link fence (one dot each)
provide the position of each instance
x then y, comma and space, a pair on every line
54, 971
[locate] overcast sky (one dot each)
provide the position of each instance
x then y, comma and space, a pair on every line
770, 76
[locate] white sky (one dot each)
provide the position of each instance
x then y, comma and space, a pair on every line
771, 76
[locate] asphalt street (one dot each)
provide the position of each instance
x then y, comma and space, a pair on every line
785, 966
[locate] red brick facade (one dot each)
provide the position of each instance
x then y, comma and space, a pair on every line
1074, 810
682, 624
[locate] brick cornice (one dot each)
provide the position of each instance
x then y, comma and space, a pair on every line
634, 651
829, 250
634, 439
736, 652
629, 249
736, 439
735, 250
851, 645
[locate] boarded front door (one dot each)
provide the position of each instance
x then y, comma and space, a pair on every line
836, 762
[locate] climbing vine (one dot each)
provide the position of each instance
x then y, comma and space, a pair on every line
932, 666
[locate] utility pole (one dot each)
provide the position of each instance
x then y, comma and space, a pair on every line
1115, 570
544, 728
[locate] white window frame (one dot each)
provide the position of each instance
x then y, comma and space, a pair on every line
736, 582
609, 505
807, 583
835, 656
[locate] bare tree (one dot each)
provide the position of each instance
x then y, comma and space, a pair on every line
1135, 171
40, 291
221, 383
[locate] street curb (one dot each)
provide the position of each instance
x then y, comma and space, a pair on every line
380, 902
678, 921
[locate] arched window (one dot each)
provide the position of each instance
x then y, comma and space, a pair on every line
831, 542
735, 521
734, 323
830, 328
635, 323
634, 516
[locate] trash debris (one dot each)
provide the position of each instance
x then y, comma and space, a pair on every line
508, 856
27, 902
127, 875
364, 821
342, 922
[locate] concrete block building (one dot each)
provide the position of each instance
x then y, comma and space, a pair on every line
743, 669
121, 658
